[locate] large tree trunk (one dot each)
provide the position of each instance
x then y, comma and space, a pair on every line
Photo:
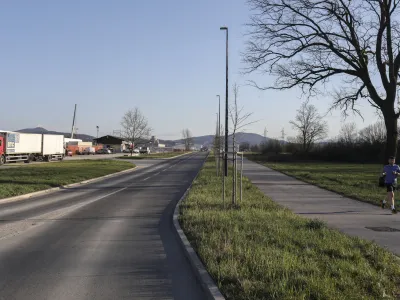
391, 135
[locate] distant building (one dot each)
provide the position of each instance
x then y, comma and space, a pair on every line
69, 141
179, 147
115, 143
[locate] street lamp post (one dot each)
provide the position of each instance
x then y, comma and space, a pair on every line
219, 132
226, 106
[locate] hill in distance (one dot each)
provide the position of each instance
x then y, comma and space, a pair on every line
241, 137
40, 130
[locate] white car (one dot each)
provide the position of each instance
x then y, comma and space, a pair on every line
88, 151
144, 150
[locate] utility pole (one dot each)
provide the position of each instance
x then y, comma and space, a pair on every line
219, 134
265, 133
216, 147
226, 105
73, 124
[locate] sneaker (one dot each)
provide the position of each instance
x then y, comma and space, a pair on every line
394, 211
383, 203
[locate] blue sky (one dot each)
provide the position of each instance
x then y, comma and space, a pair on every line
165, 57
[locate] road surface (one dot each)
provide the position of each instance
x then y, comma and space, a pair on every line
108, 240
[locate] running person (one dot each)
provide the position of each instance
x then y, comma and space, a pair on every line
390, 171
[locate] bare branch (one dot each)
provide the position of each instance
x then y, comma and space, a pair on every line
305, 43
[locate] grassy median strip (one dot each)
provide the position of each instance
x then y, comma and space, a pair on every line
153, 155
23, 180
358, 181
264, 251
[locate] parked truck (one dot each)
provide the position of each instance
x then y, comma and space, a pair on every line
27, 147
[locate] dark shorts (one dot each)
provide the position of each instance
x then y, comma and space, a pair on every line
390, 187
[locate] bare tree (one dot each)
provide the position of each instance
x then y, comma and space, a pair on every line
310, 126
348, 133
373, 134
135, 127
238, 117
187, 139
306, 43
239, 121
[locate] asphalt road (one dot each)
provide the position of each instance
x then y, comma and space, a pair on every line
108, 240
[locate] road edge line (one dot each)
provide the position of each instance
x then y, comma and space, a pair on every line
178, 155
52, 190
207, 283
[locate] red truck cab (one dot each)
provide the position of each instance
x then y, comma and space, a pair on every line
2, 150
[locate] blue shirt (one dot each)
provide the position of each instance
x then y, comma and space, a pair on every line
390, 178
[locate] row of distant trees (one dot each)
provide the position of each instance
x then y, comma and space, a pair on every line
351, 145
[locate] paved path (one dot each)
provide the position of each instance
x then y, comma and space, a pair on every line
112, 239
348, 215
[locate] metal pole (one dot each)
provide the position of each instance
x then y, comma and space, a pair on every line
219, 132
226, 104
223, 191
241, 180
73, 123
215, 146
236, 177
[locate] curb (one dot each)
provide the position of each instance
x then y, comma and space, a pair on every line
207, 283
52, 190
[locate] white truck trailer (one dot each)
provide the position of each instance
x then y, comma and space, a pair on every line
27, 147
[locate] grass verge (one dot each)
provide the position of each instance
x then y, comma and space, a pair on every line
23, 180
153, 155
358, 181
261, 250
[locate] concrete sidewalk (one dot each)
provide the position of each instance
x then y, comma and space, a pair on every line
349, 216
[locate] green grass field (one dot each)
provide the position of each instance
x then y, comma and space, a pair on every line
26, 179
152, 155
358, 181
263, 251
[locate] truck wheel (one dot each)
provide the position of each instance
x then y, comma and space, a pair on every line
29, 159
2, 160
48, 158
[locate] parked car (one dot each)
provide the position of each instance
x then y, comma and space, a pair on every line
144, 150
88, 151
103, 151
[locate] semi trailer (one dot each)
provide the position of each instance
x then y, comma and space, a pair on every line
27, 147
